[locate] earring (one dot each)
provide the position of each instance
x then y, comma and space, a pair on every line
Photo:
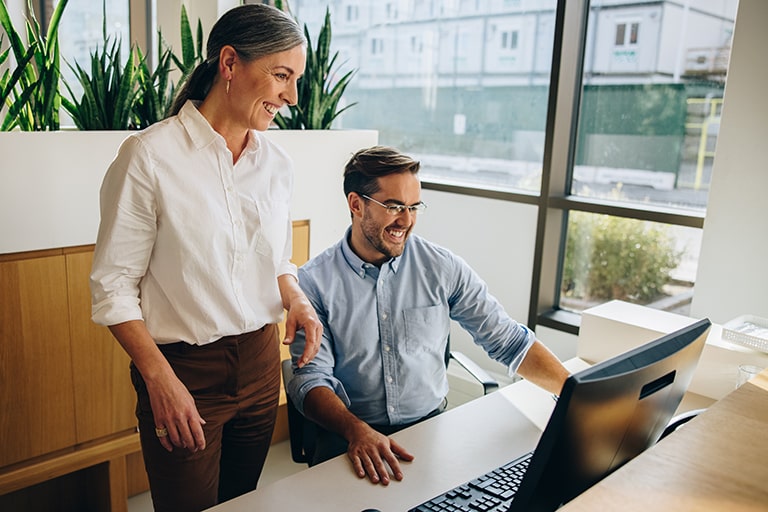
228, 81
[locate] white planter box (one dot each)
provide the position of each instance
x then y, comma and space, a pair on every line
49, 184
49, 192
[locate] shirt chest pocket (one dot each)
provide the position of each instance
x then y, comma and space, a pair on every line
426, 329
267, 227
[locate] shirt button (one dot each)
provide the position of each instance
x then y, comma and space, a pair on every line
389, 379
392, 408
384, 316
386, 348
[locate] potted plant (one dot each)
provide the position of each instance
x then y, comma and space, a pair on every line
109, 91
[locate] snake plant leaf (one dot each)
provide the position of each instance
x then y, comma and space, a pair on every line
9, 80
124, 84
39, 82
191, 48
14, 108
155, 90
110, 90
318, 96
187, 45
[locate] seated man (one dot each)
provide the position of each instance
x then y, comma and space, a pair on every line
386, 300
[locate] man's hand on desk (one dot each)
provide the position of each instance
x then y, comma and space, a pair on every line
374, 454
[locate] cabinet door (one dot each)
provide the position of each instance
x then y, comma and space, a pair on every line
104, 397
36, 392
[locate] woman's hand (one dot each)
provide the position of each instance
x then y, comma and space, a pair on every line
301, 315
175, 412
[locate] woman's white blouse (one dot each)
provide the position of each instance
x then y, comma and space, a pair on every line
189, 242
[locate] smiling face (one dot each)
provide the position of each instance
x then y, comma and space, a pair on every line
261, 87
378, 236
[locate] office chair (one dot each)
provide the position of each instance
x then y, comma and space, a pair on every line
302, 432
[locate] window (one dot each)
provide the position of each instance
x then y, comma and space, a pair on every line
377, 46
627, 160
460, 74
621, 30
621, 34
353, 13
391, 11
509, 40
642, 160
417, 45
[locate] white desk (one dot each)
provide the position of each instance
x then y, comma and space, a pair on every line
450, 449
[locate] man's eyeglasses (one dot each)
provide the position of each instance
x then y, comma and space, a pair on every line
398, 209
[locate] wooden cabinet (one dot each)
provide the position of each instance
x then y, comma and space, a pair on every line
65, 392
36, 379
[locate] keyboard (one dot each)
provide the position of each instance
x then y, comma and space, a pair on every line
491, 492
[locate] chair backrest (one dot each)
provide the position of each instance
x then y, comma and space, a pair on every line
301, 431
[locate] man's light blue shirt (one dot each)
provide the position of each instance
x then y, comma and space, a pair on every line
385, 329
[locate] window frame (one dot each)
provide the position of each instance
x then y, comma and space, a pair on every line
554, 202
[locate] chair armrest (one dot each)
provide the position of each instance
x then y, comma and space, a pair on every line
679, 420
480, 375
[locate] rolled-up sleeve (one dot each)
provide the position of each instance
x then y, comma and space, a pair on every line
127, 232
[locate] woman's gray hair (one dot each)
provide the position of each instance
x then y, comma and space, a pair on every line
254, 31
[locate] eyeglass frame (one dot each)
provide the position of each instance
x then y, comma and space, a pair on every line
399, 209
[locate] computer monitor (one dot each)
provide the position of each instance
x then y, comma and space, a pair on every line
608, 414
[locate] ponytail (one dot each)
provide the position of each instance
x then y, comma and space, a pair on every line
195, 86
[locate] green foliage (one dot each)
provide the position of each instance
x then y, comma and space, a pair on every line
155, 89
148, 93
318, 97
36, 95
109, 91
616, 258
191, 48
8, 81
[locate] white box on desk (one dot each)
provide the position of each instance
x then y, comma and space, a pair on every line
616, 326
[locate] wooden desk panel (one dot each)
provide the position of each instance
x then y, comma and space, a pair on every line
104, 396
36, 396
715, 462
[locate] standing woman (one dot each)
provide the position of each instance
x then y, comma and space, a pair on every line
191, 270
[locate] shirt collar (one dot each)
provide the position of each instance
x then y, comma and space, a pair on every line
197, 126
360, 267
200, 130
